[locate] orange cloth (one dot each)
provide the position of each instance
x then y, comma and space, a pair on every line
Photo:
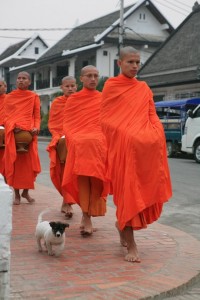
87, 149
55, 125
22, 110
137, 160
2, 114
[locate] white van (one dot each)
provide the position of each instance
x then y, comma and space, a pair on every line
191, 137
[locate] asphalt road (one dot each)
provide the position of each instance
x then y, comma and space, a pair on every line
183, 209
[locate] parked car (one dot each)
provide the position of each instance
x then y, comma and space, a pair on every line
191, 136
173, 115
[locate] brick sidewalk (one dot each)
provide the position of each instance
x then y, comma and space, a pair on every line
93, 268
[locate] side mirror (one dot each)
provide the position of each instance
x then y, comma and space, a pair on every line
190, 113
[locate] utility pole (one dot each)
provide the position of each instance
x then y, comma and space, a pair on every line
121, 24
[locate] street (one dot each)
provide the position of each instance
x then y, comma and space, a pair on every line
183, 209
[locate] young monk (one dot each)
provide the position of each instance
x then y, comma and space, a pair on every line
84, 175
55, 125
3, 89
137, 156
22, 112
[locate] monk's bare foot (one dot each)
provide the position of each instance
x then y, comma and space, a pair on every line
17, 198
26, 195
94, 229
132, 255
17, 201
121, 235
82, 223
69, 215
87, 225
67, 210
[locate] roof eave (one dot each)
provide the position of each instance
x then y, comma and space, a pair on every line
88, 47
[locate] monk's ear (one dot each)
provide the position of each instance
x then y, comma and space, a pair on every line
119, 62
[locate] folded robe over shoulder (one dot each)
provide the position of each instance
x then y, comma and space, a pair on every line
22, 110
137, 160
2, 114
86, 144
55, 125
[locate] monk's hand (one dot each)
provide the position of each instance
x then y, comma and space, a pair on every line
17, 129
34, 131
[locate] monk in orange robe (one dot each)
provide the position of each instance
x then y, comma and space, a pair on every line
137, 159
22, 113
3, 89
55, 125
84, 174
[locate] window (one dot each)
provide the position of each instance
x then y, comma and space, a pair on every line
62, 71
158, 98
142, 16
116, 68
36, 50
197, 113
85, 63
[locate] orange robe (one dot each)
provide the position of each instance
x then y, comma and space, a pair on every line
86, 144
137, 160
22, 110
2, 114
55, 125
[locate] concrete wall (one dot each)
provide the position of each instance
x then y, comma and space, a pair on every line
6, 199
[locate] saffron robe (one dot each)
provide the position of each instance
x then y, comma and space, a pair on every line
55, 125
22, 110
137, 159
2, 114
86, 144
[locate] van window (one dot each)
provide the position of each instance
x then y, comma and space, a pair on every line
197, 113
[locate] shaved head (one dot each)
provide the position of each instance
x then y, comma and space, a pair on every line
127, 50
3, 81
23, 73
23, 80
89, 77
68, 78
87, 69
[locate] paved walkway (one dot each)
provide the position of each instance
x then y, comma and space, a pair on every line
93, 268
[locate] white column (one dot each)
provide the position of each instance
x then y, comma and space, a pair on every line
72, 66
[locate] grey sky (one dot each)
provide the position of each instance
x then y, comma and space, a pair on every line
23, 14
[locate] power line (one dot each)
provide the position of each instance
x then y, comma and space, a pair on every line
179, 7
183, 4
54, 29
34, 29
172, 8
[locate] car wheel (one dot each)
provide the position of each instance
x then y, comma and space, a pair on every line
197, 152
169, 149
